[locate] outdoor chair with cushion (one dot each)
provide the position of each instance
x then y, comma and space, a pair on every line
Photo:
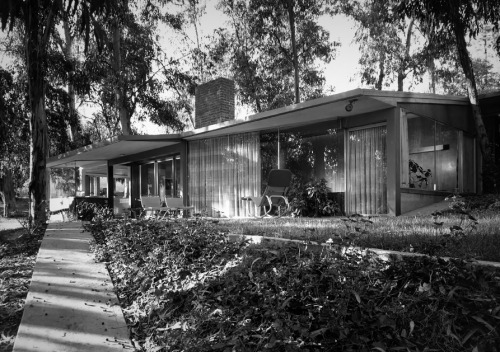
175, 205
153, 204
274, 194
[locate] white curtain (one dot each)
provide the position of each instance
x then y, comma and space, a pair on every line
221, 171
367, 171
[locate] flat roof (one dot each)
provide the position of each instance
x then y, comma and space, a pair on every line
323, 109
97, 154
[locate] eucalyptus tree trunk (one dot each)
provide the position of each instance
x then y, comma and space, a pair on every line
7, 193
488, 180
291, 18
37, 38
465, 62
74, 125
381, 73
120, 83
406, 58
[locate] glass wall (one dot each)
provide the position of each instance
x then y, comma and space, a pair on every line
162, 177
430, 151
121, 192
148, 179
169, 178
312, 153
222, 170
96, 186
367, 171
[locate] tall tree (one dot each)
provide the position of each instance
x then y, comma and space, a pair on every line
128, 74
459, 19
388, 46
14, 149
453, 82
267, 66
37, 18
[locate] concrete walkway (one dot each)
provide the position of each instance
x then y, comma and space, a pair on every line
71, 305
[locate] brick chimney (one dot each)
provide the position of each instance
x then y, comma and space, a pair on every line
214, 102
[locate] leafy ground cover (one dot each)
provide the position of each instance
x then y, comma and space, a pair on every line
184, 287
17, 259
468, 230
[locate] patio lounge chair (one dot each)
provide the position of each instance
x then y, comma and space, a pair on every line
175, 205
274, 194
153, 204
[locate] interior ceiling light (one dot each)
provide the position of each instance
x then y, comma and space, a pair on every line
349, 106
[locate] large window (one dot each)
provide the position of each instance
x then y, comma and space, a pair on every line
148, 179
430, 156
162, 178
310, 153
169, 180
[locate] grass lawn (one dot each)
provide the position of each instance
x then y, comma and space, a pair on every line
450, 234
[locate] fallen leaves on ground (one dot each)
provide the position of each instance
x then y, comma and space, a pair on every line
17, 259
185, 287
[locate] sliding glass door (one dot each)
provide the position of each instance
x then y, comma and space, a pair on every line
162, 177
367, 171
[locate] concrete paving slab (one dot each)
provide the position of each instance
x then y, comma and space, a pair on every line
429, 209
71, 305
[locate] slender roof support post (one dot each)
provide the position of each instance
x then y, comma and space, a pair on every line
185, 172
394, 161
111, 186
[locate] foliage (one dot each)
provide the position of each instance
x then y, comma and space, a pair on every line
458, 20
418, 175
184, 287
261, 52
14, 147
311, 198
17, 259
87, 211
120, 65
453, 80
388, 43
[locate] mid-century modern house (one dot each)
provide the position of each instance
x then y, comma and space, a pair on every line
381, 152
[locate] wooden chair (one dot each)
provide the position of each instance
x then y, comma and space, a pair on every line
175, 205
153, 204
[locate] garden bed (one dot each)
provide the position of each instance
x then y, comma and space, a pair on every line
185, 286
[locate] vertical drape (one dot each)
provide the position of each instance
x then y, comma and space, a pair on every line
405, 151
221, 171
367, 170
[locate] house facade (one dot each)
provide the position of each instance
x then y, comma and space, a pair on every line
380, 152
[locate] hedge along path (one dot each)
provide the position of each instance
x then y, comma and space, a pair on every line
71, 305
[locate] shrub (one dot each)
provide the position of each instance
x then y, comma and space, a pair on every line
88, 211
311, 198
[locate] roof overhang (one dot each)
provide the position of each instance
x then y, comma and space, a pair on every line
331, 108
320, 110
96, 155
